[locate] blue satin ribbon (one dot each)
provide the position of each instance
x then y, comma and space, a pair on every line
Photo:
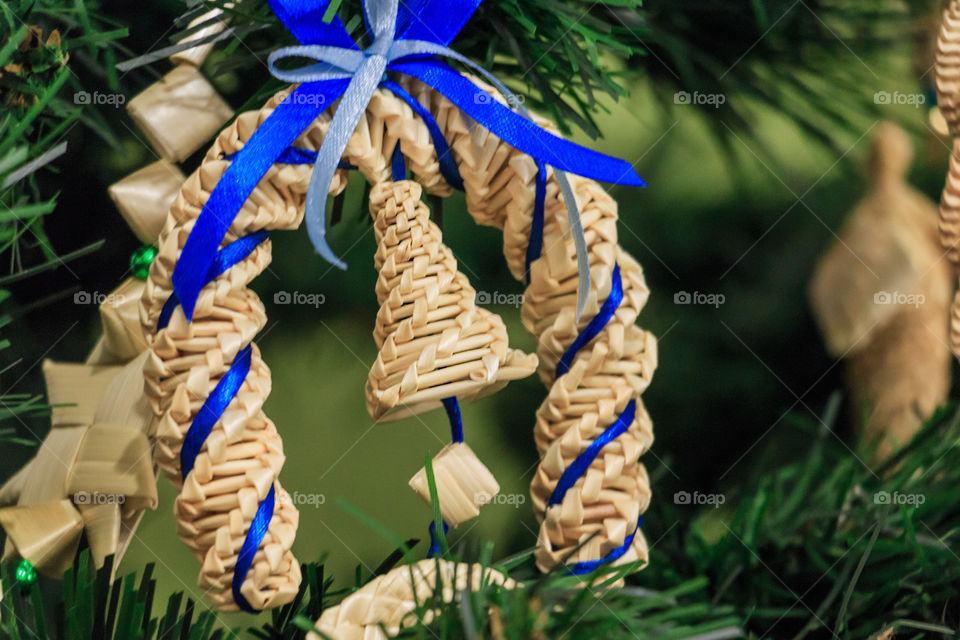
398, 167
597, 323
404, 40
579, 466
297, 155
621, 425
456, 421
213, 407
217, 402
258, 529
230, 255
535, 244
589, 566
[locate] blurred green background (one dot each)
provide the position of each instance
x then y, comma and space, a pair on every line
725, 213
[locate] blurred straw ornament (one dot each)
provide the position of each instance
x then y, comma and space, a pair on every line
92, 474
881, 295
179, 112
145, 196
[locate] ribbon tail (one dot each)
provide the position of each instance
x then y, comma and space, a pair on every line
256, 157
437, 21
579, 241
352, 106
304, 19
516, 129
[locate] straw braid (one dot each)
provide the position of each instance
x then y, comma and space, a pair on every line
948, 100
606, 374
241, 459
388, 603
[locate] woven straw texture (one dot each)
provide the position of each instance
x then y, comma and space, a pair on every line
434, 341
948, 100
243, 455
389, 602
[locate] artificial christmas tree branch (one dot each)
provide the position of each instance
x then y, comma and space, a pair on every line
564, 55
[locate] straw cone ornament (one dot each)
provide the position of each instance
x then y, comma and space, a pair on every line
434, 341
607, 374
389, 603
881, 295
948, 100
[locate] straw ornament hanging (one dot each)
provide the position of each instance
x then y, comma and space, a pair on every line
205, 378
881, 296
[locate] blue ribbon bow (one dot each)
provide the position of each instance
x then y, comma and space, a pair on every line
406, 38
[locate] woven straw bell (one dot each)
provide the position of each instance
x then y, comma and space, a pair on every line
434, 341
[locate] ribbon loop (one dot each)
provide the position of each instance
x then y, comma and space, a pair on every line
331, 62
409, 40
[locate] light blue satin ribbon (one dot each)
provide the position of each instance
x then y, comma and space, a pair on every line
406, 39
366, 69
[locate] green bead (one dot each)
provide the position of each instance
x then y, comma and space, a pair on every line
26, 574
140, 261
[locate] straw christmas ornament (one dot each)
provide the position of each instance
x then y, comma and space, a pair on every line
390, 602
94, 474
881, 295
272, 168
